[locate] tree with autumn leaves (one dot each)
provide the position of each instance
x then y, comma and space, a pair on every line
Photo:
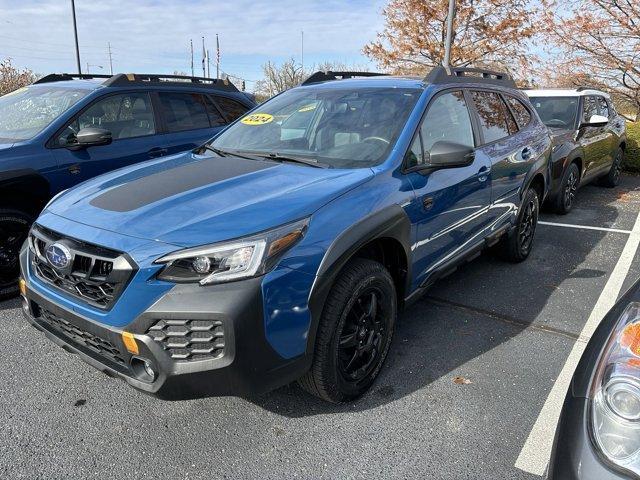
549, 42
486, 33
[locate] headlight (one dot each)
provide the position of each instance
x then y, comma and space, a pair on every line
615, 394
234, 260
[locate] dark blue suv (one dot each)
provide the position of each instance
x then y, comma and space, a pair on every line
65, 129
284, 248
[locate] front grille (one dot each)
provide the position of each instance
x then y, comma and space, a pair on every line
82, 337
189, 339
94, 274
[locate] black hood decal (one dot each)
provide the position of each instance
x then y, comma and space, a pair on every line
157, 186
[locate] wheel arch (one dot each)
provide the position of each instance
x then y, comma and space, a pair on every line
24, 190
385, 237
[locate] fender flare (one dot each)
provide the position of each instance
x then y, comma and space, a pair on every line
391, 222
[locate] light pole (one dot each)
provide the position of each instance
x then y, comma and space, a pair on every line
75, 34
90, 65
447, 46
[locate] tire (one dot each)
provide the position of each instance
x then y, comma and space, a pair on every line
612, 179
567, 194
516, 246
14, 228
360, 312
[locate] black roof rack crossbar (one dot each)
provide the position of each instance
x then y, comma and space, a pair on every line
442, 74
123, 80
328, 76
60, 77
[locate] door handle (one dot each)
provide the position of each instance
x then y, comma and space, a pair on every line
483, 173
526, 153
157, 152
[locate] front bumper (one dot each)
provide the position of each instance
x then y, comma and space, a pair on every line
245, 365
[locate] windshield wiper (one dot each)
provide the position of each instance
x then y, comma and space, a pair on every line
293, 159
226, 153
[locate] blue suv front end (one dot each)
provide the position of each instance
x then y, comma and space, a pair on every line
215, 272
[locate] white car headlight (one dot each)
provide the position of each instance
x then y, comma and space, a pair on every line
615, 394
234, 260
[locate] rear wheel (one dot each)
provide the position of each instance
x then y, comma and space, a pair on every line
612, 179
354, 333
14, 228
516, 246
567, 195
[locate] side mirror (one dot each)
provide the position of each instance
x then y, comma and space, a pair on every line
596, 121
450, 154
91, 137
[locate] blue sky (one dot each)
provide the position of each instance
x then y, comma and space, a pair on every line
153, 35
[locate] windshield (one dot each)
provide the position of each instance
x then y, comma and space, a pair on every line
338, 128
558, 112
27, 111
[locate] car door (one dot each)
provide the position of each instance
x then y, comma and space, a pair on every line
610, 131
509, 154
190, 119
449, 210
594, 140
130, 119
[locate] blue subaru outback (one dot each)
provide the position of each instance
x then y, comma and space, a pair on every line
284, 248
65, 129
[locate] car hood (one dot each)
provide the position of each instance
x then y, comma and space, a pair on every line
190, 200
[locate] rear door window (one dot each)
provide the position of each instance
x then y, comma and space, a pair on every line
184, 111
232, 109
493, 115
215, 117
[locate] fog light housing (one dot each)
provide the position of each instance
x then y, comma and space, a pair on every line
143, 369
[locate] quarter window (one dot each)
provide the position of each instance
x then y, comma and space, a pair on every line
184, 111
124, 115
232, 109
523, 117
493, 115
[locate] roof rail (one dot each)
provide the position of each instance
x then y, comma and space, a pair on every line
442, 74
121, 79
60, 77
318, 77
584, 87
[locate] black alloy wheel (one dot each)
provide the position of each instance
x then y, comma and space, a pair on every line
363, 336
354, 333
14, 228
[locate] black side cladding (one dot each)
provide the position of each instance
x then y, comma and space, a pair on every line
151, 188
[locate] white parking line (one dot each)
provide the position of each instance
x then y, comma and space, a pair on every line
536, 451
585, 227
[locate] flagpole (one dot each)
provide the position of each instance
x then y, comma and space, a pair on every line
204, 54
217, 57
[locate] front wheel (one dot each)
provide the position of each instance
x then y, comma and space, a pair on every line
354, 333
567, 194
612, 179
14, 228
516, 246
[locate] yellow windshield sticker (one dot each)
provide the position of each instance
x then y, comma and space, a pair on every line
308, 108
257, 119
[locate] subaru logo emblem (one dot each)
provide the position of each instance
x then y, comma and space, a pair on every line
58, 255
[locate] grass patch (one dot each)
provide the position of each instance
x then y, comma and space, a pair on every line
632, 155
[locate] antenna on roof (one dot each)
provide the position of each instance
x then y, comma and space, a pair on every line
446, 62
